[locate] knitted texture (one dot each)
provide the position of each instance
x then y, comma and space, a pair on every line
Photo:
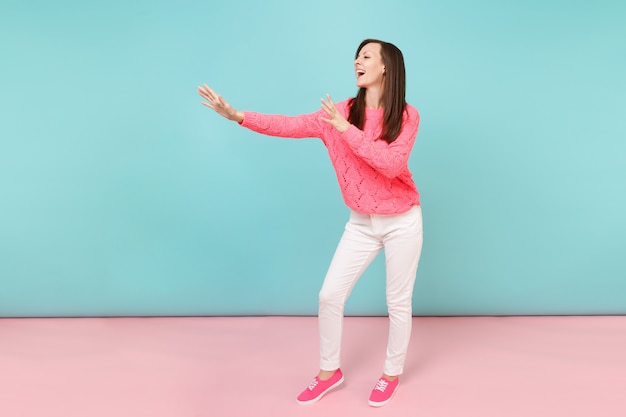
373, 175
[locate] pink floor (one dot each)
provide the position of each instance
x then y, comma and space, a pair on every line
255, 366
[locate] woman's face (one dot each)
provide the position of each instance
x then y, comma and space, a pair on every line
368, 66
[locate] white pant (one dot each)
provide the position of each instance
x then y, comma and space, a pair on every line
365, 235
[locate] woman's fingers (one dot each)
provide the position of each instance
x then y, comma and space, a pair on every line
205, 95
208, 94
325, 107
335, 118
329, 107
216, 102
203, 91
329, 102
213, 100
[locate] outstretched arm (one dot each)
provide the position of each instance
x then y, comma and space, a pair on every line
216, 102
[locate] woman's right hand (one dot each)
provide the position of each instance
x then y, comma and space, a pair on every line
217, 103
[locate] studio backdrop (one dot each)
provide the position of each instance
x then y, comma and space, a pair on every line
120, 194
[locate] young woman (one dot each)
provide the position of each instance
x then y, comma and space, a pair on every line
369, 139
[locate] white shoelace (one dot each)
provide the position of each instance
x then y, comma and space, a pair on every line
381, 385
313, 384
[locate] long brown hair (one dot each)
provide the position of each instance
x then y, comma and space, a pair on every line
394, 91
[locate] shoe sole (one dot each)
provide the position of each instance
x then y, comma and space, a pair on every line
319, 397
380, 404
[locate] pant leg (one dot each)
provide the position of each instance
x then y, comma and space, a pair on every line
403, 246
356, 250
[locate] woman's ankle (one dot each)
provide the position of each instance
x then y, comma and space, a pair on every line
325, 375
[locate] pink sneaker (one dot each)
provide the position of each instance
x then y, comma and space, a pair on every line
383, 392
318, 388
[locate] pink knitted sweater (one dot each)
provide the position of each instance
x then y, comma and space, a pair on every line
373, 175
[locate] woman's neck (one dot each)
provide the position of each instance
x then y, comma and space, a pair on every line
373, 98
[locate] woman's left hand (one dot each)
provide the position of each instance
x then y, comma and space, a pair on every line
335, 118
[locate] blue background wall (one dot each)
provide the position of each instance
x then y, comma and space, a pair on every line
121, 195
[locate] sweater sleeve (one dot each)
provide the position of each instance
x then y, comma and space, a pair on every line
302, 126
390, 159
